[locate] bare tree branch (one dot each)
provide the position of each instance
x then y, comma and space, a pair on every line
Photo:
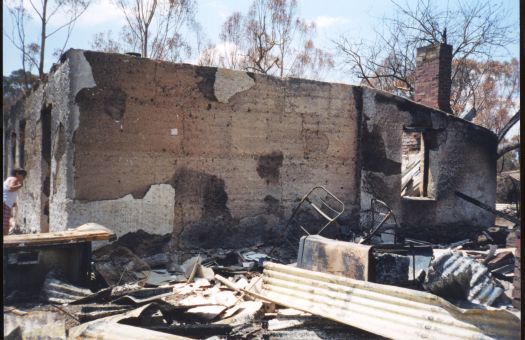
155, 27
70, 22
474, 29
46, 10
270, 39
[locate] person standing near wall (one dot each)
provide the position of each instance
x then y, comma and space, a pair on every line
12, 184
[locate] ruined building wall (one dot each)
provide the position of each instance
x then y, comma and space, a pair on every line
70, 77
44, 124
462, 157
29, 204
205, 153
219, 157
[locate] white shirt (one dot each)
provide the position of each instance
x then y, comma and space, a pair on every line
9, 196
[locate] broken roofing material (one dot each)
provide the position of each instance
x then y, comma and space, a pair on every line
109, 328
57, 291
389, 311
220, 306
119, 265
455, 276
189, 299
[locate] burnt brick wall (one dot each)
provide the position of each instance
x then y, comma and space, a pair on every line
411, 144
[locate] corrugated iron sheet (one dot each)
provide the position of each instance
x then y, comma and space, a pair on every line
389, 311
56, 291
458, 275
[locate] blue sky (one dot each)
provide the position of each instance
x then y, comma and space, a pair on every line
333, 18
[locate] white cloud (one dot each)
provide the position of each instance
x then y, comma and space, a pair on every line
101, 13
324, 21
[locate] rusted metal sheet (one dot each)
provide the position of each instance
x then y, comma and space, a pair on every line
389, 311
98, 311
336, 257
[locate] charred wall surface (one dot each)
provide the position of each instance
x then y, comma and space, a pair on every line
461, 157
234, 150
219, 157
44, 124
33, 125
29, 197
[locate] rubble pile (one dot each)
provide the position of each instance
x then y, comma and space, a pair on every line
324, 289
186, 294
219, 294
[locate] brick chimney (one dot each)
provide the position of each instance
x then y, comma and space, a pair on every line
433, 71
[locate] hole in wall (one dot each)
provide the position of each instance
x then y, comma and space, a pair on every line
45, 119
415, 164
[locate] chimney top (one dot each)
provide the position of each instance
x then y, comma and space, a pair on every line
433, 72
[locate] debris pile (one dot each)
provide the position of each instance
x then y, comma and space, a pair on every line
364, 287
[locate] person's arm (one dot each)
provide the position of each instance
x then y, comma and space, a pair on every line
13, 185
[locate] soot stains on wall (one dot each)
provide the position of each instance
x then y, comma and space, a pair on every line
268, 166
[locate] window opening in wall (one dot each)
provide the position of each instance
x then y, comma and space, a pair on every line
415, 164
21, 150
13, 150
45, 119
